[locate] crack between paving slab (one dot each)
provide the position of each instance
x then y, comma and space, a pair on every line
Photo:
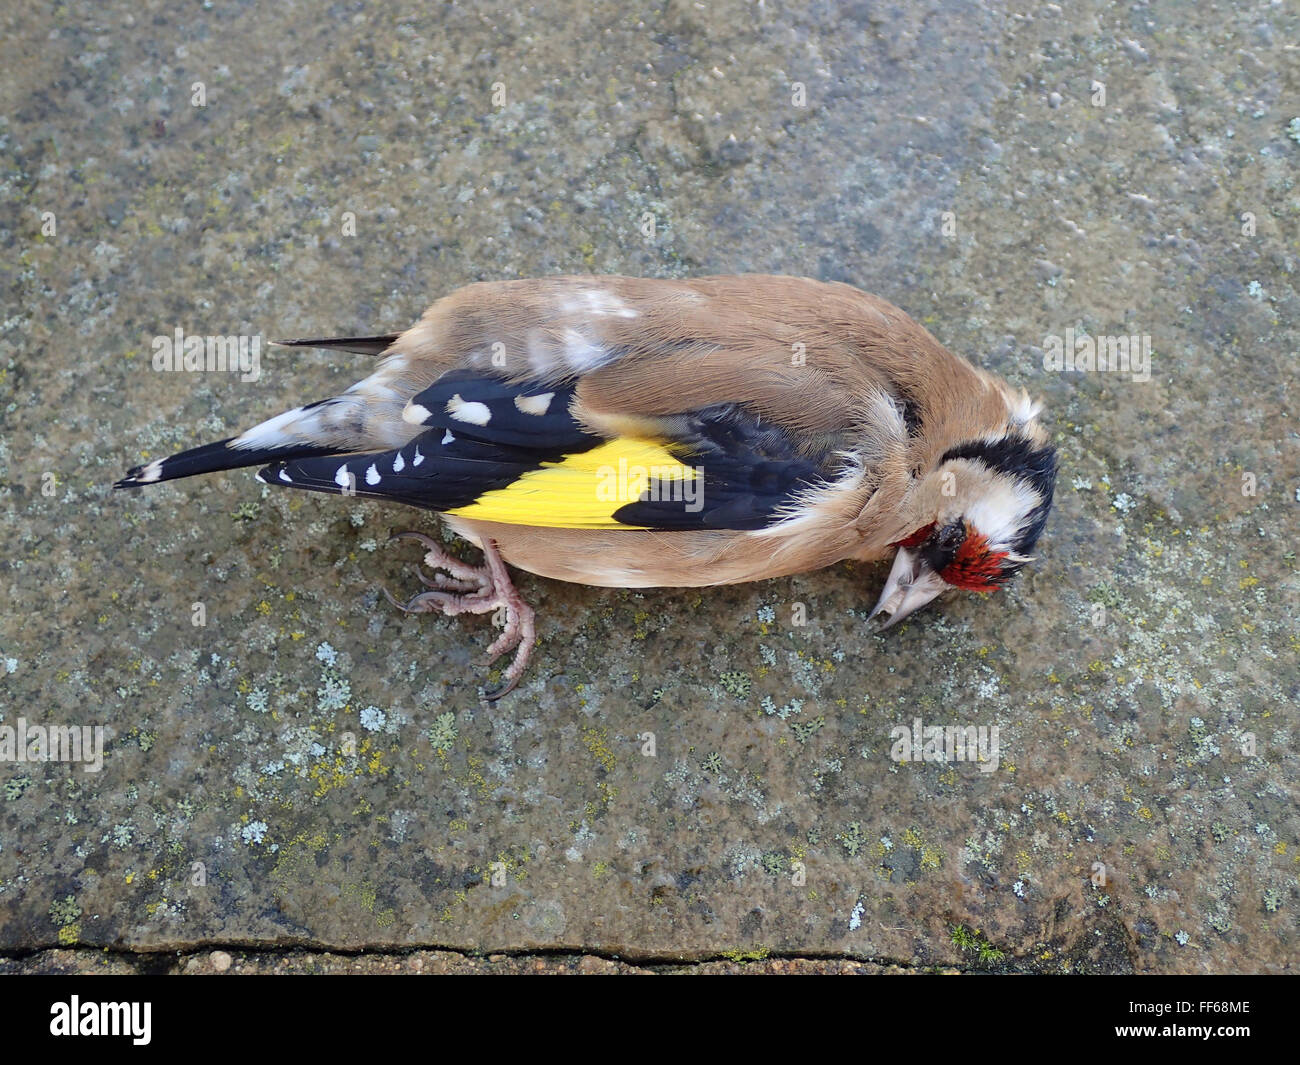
157, 959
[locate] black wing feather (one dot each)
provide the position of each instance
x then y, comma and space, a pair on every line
483, 433
750, 472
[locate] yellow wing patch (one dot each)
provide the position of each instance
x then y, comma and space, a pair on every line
583, 491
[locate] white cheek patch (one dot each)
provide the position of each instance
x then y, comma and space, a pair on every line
468, 411
534, 404
1001, 510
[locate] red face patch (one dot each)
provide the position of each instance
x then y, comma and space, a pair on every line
974, 567
917, 538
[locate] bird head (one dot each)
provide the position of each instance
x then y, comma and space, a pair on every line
973, 519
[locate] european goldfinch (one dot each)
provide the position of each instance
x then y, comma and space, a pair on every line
638, 433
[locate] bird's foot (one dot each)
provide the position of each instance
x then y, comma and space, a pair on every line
463, 589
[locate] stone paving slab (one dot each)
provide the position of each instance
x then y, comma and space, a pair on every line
309, 768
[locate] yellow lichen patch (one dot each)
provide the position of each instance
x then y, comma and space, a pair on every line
328, 776
596, 740
296, 861
473, 776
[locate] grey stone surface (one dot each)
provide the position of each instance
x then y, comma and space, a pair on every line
1113, 169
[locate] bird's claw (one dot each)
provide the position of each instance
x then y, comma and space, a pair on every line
465, 589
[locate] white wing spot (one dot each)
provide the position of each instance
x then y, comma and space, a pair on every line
534, 404
448, 439
342, 477
372, 474
415, 414
399, 463
468, 411
418, 458
284, 476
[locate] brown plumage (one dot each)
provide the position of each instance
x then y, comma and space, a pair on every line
812, 422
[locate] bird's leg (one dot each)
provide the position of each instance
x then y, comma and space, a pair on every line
465, 589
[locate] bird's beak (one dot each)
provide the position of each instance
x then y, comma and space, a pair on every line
912, 584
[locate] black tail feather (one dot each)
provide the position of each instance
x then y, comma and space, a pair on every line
210, 458
375, 345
